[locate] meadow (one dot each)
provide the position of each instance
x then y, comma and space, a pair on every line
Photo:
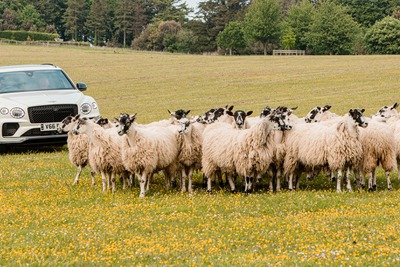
45, 221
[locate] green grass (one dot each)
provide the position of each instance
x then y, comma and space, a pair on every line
46, 221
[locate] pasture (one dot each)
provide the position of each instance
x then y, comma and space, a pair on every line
46, 221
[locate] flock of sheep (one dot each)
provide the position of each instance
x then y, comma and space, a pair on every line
222, 143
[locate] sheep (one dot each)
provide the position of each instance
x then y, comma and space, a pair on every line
390, 115
179, 114
247, 152
239, 117
78, 146
217, 114
276, 168
190, 153
146, 150
386, 112
318, 114
377, 143
104, 150
337, 146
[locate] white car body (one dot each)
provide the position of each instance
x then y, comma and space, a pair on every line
30, 111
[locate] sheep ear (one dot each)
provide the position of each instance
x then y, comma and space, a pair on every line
362, 110
187, 112
294, 108
77, 116
230, 108
132, 118
249, 113
229, 113
115, 120
395, 106
171, 113
351, 111
327, 107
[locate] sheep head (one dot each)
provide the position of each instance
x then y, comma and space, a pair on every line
125, 122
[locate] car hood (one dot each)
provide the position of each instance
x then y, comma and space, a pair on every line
29, 99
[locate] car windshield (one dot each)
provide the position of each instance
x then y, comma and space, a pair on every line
22, 81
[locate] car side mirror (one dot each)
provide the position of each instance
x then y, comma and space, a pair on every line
81, 86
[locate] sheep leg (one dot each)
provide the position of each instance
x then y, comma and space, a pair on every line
92, 173
374, 179
113, 183
183, 180
190, 176
297, 182
370, 181
231, 183
357, 178
78, 175
271, 185
142, 182
148, 180
278, 180
290, 181
248, 186
104, 180
348, 182
339, 180
108, 180
209, 180
389, 183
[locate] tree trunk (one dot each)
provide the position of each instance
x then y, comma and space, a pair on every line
124, 38
230, 51
265, 48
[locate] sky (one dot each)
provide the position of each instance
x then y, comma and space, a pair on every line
192, 3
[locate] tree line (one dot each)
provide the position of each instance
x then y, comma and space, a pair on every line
227, 26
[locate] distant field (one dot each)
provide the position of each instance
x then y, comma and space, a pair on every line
150, 83
46, 221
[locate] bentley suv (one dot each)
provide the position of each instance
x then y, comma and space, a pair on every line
34, 99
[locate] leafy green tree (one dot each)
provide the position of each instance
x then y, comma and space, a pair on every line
384, 37
186, 41
9, 20
232, 37
263, 22
333, 31
368, 12
211, 19
299, 19
288, 39
30, 19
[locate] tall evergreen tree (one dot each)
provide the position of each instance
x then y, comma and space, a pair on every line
74, 18
130, 19
97, 20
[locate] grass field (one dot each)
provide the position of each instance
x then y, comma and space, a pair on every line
45, 221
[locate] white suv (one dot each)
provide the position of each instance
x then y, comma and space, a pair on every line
34, 99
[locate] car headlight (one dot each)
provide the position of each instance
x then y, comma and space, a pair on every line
17, 113
4, 111
86, 108
94, 105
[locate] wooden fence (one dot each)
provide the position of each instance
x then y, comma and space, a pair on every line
288, 52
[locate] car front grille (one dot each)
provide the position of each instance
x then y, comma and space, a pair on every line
51, 113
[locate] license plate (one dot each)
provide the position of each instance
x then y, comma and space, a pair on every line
49, 126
